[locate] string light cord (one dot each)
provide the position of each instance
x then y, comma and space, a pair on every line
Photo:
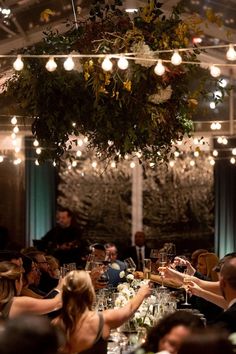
188, 49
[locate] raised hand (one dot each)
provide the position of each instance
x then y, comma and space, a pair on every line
194, 289
178, 261
145, 290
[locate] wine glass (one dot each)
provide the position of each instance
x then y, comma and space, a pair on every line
187, 278
130, 265
163, 259
182, 268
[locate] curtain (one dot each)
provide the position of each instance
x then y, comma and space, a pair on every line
225, 207
40, 195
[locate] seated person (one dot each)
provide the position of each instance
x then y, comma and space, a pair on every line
205, 270
86, 330
115, 266
47, 283
170, 331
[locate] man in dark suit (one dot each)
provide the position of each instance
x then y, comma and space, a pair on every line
139, 251
116, 266
227, 319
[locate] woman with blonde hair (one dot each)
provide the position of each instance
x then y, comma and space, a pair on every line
11, 304
87, 330
206, 263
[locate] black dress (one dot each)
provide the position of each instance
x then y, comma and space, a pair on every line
100, 345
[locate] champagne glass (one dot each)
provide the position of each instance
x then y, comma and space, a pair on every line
89, 263
130, 265
154, 258
163, 263
186, 280
147, 265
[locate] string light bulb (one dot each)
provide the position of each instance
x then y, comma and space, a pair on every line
36, 143
212, 162
36, 162
176, 58
225, 141
232, 160
215, 153
1, 159
215, 71
231, 53
107, 64
78, 153
18, 63
159, 68
172, 163
51, 65
212, 105
80, 142
38, 151
132, 164
69, 64
123, 63
234, 151
14, 120
15, 129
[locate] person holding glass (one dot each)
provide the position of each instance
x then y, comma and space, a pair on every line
86, 330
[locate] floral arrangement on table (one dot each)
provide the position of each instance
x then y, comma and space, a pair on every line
143, 317
132, 111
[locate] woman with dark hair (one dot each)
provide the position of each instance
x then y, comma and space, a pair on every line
11, 304
30, 275
170, 332
87, 330
207, 342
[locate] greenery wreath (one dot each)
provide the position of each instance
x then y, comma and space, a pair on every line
119, 111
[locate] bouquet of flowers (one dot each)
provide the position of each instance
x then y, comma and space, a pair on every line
143, 317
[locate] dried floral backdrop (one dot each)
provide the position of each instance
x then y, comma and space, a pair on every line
178, 202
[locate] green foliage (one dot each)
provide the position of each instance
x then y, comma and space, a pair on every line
114, 110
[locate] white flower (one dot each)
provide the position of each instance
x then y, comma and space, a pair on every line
122, 274
142, 50
162, 96
115, 266
122, 286
130, 277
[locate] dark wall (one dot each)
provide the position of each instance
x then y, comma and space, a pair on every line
12, 200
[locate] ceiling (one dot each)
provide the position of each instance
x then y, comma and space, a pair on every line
27, 19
